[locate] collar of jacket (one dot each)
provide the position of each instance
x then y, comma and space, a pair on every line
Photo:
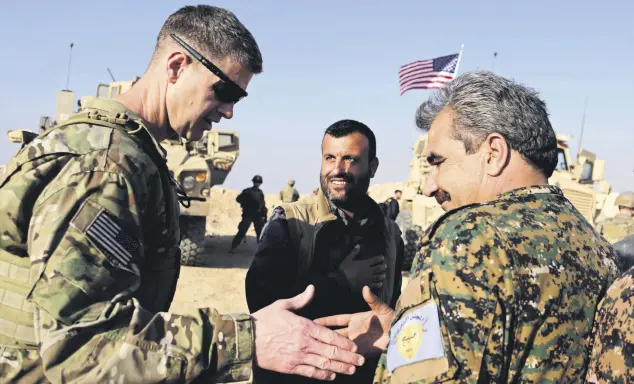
328, 211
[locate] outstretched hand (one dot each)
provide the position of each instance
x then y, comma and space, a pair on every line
287, 343
369, 330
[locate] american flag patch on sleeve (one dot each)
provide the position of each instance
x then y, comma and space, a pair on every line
116, 243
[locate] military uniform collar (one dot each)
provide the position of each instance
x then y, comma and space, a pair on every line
512, 194
531, 190
110, 107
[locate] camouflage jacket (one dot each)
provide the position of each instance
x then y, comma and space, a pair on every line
612, 359
91, 204
289, 194
501, 292
616, 228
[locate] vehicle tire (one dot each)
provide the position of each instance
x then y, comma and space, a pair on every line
192, 242
411, 235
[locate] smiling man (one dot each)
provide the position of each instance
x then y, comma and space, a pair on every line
89, 254
506, 283
338, 241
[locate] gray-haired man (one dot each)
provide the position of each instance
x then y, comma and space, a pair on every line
506, 283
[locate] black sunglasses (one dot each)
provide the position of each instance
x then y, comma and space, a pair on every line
225, 89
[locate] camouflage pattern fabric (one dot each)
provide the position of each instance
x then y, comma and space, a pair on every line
612, 359
616, 228
92, 206
289, 194
515, 281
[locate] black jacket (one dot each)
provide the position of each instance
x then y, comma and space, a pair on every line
252, 202
273, 275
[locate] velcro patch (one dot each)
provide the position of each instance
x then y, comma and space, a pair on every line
415, 338
116, 243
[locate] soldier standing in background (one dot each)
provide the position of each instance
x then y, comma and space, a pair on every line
391, 207
289, 194
507, 282
253, 211
620, 226
89, 255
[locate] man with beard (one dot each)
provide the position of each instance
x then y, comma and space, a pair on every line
506, 283
339, 241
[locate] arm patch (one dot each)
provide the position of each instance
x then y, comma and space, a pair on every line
118, 245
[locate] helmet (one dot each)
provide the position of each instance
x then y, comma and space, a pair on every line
257, 179
625, 199
291, 182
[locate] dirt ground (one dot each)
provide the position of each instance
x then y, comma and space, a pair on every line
218, 280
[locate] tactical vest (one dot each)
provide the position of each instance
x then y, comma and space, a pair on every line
307, 217
16, 312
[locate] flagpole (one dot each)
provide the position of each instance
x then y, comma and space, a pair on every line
458, 63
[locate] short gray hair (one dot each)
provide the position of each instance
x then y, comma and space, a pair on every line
213, 31
484, 103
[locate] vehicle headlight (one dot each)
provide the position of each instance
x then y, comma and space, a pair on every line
188, 182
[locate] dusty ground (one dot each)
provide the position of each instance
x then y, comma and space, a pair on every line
218, 281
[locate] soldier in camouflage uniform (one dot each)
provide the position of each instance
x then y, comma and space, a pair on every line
506, 283
289, 194
620, 226
89, 254
612, 359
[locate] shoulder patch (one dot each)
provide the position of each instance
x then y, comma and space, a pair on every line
415, 338
118, 245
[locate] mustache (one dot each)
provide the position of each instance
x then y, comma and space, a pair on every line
442, 196
345, 176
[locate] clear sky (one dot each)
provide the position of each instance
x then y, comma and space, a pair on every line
328, 60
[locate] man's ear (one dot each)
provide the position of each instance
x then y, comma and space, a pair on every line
176, 62
498, 154
374, 165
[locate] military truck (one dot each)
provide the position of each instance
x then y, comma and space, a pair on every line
581, 181
195, 166
17, 136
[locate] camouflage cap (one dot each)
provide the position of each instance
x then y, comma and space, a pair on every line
625, 199
291, 182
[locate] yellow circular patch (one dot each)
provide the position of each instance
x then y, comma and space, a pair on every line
409, 339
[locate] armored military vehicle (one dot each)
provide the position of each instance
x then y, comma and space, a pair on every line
17, 136
582, 182
195, 166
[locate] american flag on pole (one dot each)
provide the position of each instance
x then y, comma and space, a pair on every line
428, 74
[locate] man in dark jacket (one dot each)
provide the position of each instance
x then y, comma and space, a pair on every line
253, 211
338, 240
391, 206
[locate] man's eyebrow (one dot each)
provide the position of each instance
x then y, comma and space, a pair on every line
434, 157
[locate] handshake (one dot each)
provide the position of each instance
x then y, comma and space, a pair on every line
287, 343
